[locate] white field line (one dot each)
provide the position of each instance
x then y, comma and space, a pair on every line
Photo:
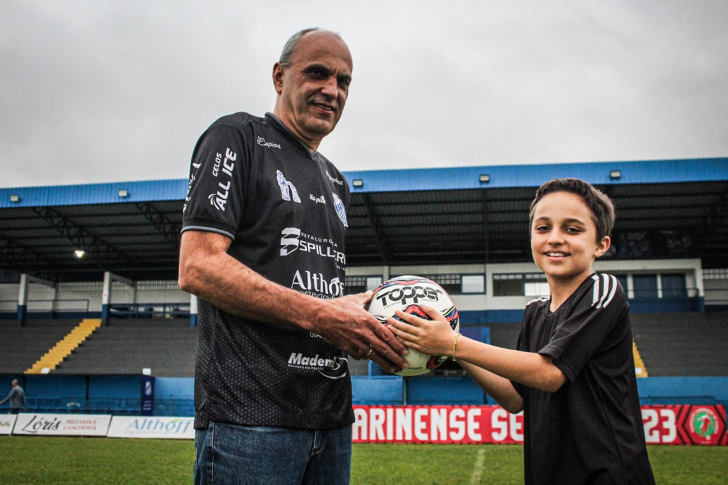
478, 469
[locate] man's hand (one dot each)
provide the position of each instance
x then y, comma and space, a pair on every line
345, 324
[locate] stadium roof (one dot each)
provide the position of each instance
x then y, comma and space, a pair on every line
665, 209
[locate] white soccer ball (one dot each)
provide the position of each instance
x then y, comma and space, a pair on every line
406, 293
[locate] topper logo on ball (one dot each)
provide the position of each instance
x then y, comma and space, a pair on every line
411, 294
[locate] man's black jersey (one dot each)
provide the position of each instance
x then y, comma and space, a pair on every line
590, 431
284, 207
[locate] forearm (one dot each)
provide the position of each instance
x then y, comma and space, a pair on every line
236, 289
497, 387
531, 369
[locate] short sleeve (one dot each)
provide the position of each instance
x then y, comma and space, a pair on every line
600, 310
215, 194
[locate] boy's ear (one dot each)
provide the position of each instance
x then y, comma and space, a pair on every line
602, 247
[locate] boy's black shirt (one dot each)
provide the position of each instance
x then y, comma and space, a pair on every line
590, 431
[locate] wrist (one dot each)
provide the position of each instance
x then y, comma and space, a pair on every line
454, 347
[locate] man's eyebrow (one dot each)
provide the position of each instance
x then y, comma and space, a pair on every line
573, 220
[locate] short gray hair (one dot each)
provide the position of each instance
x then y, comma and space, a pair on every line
292, 43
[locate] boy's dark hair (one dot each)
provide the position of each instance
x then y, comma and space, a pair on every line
600, 206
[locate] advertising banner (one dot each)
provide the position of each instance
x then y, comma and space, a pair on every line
151, 427
147, 395
685, 425
668, 425
62, 424
6, 423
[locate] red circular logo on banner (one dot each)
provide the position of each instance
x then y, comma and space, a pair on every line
705, 426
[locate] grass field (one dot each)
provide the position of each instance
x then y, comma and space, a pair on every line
44, 460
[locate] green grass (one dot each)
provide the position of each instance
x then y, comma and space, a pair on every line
45, 460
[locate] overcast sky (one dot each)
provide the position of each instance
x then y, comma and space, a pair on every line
99, 91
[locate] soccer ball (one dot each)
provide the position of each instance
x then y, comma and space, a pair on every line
406, 293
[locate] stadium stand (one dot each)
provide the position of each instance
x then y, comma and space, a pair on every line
167, 346
25, 345
682, 344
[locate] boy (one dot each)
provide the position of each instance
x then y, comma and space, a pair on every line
573, 371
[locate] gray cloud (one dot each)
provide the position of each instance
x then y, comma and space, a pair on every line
111, 91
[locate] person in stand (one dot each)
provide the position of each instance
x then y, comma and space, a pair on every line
16, 398
263, 247
573, 371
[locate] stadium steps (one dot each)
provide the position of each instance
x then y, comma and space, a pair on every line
639, 365
25, 344
63, 348
166, 346
682, 344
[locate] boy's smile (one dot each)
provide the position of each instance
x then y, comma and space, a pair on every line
563, 239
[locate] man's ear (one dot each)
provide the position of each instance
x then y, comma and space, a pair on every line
603, 246
278, 77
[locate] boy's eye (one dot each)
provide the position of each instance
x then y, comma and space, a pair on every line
573, 230
542, 228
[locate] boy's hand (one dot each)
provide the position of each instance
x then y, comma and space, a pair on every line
432, 337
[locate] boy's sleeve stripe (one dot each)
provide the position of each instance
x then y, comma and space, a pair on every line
605, 290
614, 290
595, 296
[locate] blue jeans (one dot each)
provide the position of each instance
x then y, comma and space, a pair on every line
229, 454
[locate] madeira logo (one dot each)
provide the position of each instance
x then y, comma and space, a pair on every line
703, 422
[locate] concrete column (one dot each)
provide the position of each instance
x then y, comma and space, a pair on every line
109, 278
23, 298
193, 311
25, 281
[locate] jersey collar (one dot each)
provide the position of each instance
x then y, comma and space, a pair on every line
279, 124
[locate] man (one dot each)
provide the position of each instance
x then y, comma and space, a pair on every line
264, 228
16, 398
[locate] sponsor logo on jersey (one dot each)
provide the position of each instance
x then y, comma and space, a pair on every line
318, 200
263, 143
331, 368
293, 239
219, 198
227, 165
288, 190
334, 179
316, 285
340, 209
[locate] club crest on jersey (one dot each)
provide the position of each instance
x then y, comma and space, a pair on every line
340, 209
287, 188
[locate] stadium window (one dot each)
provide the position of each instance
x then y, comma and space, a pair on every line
355, 284
536, 288
508, 285
673, 286
373, 282
474, 283
645, 285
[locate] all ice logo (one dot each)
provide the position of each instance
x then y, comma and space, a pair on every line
340, 209
263, 143
219, 199
287, 188
147, 388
